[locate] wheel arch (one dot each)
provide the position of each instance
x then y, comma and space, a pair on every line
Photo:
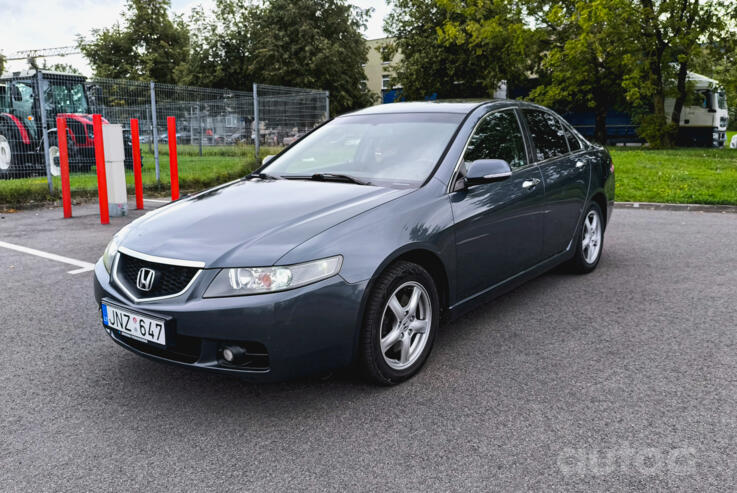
426, 258
600, 199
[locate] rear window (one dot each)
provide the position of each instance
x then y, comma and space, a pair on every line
547, 134
573, 143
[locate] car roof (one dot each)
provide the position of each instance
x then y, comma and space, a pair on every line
440, 106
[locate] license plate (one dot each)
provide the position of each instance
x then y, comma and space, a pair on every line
135, 325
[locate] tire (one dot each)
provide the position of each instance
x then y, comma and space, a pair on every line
589, 245
413, 334
10, 162
55, 167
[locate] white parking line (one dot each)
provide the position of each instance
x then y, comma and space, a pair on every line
83, 266
157, 200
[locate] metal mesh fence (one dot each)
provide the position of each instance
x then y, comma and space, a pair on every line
219, 132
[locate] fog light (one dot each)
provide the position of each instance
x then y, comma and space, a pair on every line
234, 354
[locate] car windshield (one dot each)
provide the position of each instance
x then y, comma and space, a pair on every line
395, 150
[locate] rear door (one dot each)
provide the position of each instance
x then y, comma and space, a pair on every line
498, 225
565, 169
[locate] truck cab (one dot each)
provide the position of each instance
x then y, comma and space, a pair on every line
704, 116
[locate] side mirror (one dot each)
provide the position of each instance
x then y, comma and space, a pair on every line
267, 158
487, 171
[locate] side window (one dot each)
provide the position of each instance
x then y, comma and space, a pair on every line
573, 143
547, 134
498, 137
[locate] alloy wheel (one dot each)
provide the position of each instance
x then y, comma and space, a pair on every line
591, 241
405, 325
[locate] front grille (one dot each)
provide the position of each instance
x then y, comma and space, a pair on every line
168, 280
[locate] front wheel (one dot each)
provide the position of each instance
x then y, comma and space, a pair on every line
590, 241
11, 164
402, 317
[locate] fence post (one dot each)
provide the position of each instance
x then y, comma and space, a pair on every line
100, 166
156, 132
171, 123
256, 123
148, 126
138, 179
199, 122
327, 105
66, 193
44, 127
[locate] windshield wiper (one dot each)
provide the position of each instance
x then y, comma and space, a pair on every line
263, 176
338, 177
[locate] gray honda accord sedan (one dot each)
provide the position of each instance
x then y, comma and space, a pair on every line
353, 244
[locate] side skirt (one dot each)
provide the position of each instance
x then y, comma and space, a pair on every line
468, 304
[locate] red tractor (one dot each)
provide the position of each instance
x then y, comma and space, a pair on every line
21, 130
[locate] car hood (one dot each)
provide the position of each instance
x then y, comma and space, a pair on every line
250, 222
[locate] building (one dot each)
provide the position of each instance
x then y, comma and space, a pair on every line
378, 68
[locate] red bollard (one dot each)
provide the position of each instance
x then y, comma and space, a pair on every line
171, 123
61, 138
100, 165
137, 163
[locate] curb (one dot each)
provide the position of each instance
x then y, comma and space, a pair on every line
730, 209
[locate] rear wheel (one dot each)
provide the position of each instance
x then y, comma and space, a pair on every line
55, 165
590, 241
401, 320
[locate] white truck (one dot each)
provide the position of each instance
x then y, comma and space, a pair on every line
704, 116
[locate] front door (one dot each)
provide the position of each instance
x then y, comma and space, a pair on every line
498, 225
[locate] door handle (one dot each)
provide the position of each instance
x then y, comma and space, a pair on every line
580, 164
530, 184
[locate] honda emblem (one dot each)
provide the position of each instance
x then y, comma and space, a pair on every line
145, 279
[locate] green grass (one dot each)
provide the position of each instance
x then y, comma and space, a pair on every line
217, 165
682, 176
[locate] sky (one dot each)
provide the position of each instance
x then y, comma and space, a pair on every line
34, 24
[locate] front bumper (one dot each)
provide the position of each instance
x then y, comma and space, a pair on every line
304, 331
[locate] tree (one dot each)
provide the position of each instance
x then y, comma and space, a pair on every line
2, 63
303, 43
583, 63
313, 43
62, 67
671, 33
498, 34
149, 45
429, 65
458, 48
221, 45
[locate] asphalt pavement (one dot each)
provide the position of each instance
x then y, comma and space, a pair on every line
622, 379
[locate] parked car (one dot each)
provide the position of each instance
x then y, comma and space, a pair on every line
237, 137
354, 243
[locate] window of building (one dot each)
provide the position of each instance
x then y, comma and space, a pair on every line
385, 81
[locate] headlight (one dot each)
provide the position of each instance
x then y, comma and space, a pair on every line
112, 249
255, 280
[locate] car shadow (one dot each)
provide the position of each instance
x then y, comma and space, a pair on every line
208, 392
